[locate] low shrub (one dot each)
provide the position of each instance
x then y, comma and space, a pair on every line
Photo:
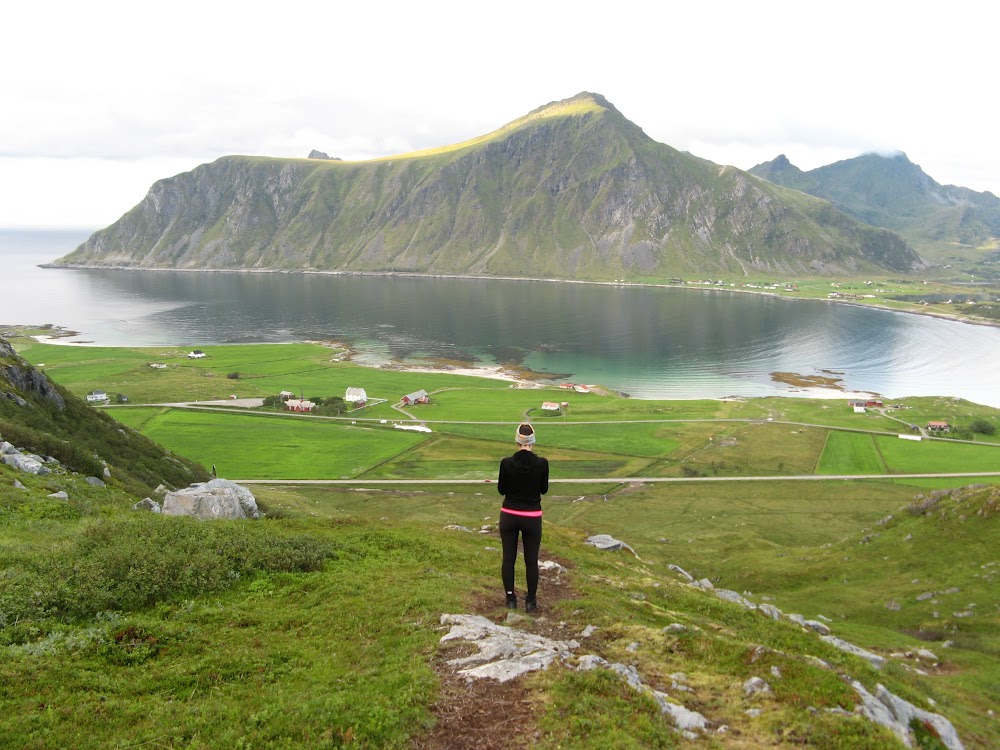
129, 565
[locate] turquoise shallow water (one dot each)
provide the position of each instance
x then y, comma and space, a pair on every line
648, 342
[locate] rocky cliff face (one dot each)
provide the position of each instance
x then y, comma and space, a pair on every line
572, 190
23, 378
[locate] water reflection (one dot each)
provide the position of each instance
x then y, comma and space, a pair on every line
672, 343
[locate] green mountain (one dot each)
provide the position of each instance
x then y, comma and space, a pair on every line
894, 193
571, 190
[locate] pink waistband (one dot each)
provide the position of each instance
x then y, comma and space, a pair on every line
528, 513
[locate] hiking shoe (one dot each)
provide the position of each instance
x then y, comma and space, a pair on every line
531, 606
511, 601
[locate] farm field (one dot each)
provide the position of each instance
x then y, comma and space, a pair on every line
249, 446
472, 419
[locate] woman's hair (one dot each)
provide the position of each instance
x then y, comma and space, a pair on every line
525, 434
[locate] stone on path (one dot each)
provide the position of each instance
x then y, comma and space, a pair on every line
504, 653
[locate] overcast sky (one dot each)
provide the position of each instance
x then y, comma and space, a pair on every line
101, 99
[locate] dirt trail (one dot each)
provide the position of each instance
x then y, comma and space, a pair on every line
486, 714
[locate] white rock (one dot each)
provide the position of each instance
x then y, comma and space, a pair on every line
683, 718
874, 659
732, 596
504, 653
893, 712
608, 543
216, 499
60, 495
819, 627
588, 631
770, 610
24, 463
148, 503
755, 685
923, 653
679, 569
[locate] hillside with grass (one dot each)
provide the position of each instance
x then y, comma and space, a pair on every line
894, 193
766, 612
572, 190
42, 418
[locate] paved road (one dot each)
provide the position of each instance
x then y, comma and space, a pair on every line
629, 480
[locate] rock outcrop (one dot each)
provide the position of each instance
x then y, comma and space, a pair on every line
215, 499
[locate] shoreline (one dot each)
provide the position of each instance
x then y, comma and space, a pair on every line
504, 373
473, 277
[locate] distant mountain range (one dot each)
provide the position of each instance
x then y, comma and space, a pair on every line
572, 190
894, 193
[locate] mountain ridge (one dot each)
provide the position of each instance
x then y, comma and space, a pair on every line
571, 190
892, 192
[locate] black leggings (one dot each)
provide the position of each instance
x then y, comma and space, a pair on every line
530, 530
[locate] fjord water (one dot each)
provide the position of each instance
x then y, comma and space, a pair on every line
648, 342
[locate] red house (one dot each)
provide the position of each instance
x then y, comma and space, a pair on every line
417, 397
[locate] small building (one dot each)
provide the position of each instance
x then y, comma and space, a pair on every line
859, 409
942, 427
417, 397
550, 406
97, 397
285, 395
300, 405
581, 389
356, 396
196, 354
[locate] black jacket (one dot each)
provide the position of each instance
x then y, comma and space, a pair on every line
524, 478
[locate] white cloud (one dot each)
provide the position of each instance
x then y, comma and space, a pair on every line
96, 95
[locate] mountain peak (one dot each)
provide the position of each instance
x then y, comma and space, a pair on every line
583, 103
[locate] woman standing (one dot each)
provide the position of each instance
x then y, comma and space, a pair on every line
524, 478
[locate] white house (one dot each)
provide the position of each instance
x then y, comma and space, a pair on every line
356, 396
550, 406
196, 354
97, 397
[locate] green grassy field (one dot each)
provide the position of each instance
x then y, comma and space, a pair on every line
248, 446
851, 453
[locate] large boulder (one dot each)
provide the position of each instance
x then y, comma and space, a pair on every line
218, 498
25, 463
